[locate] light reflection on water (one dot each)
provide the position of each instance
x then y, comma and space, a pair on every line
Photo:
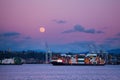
49, 72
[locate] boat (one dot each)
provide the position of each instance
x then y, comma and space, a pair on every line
11, 61
78, 60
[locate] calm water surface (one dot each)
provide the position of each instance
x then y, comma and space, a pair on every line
49, 72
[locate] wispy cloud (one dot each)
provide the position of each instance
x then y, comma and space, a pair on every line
79, 28
115, 38
110, 40
111, 43
118, 34
13, 39
27, 37
10, 34
14, 36
60, 21
82, 43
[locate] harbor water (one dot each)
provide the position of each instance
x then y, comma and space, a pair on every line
50, 72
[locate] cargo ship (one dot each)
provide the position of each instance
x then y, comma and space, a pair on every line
78, 59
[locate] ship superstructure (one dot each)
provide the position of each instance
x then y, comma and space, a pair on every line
78, 59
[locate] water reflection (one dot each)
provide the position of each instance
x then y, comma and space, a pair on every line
49, 72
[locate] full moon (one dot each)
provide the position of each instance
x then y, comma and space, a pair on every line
42, 29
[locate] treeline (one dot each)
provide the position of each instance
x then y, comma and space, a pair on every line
23, 54
27, 56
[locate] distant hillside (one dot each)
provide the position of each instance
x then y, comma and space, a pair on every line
114, 51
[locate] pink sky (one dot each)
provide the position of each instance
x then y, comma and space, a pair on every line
97, 21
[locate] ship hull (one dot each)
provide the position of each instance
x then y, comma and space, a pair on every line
74, 64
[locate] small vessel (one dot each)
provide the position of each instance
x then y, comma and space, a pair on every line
78, 59
11, 61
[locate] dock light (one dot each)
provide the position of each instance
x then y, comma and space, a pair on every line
59, 60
